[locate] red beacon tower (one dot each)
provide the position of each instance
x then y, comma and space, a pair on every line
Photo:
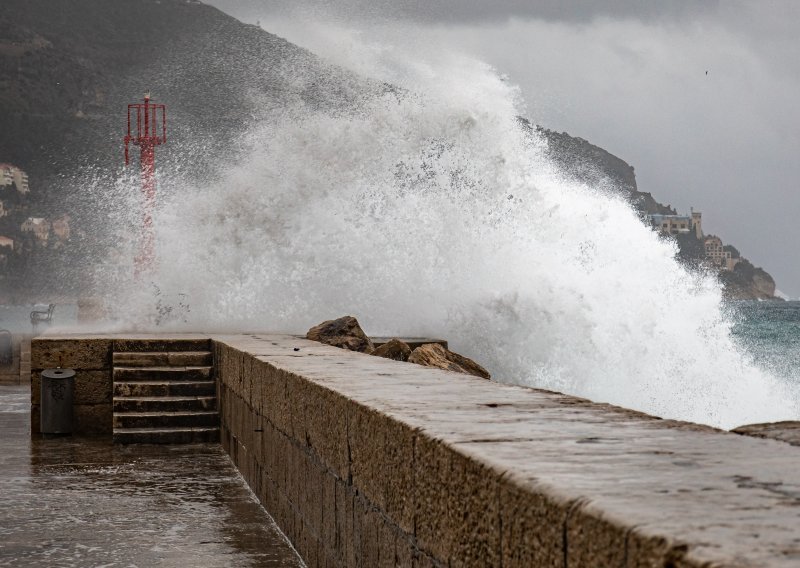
150, 123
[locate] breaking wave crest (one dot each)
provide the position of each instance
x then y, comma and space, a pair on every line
430, 210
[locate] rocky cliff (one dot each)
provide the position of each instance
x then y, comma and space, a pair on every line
748, 282
590, 164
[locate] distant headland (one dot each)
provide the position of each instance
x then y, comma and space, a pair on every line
593, 165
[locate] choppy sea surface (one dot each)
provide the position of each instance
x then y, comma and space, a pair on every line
769, 333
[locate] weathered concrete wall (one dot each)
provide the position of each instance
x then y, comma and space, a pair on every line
18, 372
369, 462
90, 356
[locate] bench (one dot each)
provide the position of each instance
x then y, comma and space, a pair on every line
42, 316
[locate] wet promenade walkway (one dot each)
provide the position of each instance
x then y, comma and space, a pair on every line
66, 502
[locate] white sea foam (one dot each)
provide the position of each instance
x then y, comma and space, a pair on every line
433, 213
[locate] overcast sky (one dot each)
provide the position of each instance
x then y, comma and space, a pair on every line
630, 76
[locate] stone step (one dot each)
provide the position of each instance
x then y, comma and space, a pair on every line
164, 388
185, 419
155, 344
164, 403
163, 359
166, 435
122, 374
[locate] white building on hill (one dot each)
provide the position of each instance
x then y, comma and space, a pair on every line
716, 253
10, 174
39, 227
678, 224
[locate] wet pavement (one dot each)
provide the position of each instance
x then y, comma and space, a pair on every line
84, 502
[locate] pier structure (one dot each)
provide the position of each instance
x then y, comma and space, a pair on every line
364, 461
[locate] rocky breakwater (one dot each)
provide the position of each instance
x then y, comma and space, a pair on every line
748, 282
346, 333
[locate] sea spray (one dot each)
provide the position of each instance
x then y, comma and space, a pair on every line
429, 209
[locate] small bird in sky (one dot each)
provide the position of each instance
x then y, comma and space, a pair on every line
706, 72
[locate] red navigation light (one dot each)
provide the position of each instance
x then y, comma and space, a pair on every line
147, 128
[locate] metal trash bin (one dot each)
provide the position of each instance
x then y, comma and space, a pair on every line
58, 386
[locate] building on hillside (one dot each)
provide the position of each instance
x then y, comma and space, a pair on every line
39, 227
717, 255
714, 250
6, 175
697, 223
678, 224
61, 230
10, 174
6, 249
671, 224
61, 227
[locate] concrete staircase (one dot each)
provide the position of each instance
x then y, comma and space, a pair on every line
166, 396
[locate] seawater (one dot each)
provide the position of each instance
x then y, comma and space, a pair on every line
429, 210
769, 333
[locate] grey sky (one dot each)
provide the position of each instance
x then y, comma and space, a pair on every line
629, 75
466, 11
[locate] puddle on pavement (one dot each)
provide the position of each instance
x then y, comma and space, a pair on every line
86, 502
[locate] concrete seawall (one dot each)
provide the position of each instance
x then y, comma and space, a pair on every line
364, 461
370, 462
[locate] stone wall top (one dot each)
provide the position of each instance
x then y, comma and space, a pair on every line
632, 485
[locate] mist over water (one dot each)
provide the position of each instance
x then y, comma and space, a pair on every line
429, 210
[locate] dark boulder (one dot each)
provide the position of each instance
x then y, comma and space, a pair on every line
393, 349
434, 355
344, 333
